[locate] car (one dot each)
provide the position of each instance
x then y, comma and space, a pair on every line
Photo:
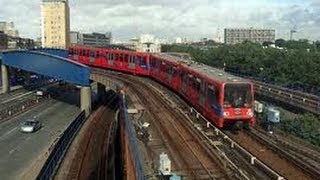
30, 126
42, 92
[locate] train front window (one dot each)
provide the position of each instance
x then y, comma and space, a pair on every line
237, 96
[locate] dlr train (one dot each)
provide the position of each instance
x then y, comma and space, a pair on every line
223, 99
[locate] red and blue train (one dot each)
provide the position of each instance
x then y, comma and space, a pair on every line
220, 97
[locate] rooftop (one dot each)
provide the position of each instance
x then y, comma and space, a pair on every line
206, 70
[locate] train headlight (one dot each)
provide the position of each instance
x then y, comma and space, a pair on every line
225, 114
250, 113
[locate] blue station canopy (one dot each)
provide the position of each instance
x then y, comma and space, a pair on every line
47, 64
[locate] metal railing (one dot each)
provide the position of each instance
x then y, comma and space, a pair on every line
60, 148
132, 140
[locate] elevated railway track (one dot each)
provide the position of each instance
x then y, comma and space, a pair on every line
189, 154
304, 101
186, 156
247, 144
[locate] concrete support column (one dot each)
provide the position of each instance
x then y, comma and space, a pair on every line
101, 90
85, 100
5, 79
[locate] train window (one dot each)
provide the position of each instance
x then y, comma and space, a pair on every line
203, 88
196, 84
97, 54
237, 95
170, 70
70, 52
163, 67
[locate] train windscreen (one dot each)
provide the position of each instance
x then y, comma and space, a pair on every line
237, 96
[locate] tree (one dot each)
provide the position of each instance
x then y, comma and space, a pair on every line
280, 43
267, 43
317, 45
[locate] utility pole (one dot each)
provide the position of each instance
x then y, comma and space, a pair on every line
291, 33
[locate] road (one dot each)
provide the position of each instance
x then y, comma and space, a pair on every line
13, 88
19, 150
16, 98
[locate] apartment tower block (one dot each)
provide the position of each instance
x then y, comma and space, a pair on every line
55, 24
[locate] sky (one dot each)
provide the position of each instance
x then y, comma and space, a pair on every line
193, 19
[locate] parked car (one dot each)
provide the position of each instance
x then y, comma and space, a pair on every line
30, 126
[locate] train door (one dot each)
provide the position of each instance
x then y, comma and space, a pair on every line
110, 59
169, 74
184, 85
76, 54
203, 93
92, 56
131, 62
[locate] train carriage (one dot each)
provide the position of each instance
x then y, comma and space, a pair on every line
222, 98
120, 60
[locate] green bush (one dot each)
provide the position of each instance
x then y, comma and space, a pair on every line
305, 126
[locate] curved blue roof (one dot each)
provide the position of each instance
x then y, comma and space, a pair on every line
49, 65
56, 52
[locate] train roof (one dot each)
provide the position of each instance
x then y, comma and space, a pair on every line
217, 74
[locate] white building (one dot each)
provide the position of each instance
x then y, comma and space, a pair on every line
9, 29
146, 43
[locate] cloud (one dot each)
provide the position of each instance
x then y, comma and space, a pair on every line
171, 18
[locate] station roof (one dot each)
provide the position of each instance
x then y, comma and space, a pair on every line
47, 64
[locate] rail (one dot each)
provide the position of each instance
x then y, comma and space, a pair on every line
254, 161
298, 161
17, 109
140, 175
306, 102
60, 148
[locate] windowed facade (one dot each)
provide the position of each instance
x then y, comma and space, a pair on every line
55, 24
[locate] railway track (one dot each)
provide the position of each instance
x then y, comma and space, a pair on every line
270, 154
307, 102
268, 157
15, 108
306, 159
94, 159
187, 151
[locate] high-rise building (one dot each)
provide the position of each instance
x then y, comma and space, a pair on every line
234, 36
9, 29
55, 24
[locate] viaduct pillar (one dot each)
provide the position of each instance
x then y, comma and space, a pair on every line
85, 100
5, 79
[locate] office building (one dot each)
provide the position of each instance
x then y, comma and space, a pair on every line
90, 39
55, 24
234, 36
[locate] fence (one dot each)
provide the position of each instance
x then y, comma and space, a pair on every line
60, 148
132, 141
